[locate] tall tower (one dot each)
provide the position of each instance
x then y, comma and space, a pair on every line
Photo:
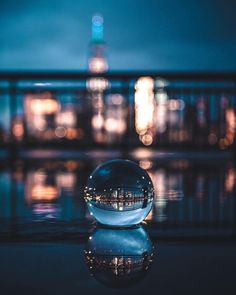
97, 62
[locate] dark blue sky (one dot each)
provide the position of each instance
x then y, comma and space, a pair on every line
140, 34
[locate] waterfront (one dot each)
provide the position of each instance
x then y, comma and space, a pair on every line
193, 194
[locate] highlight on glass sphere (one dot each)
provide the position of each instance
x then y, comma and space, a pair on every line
119, 257
119, 193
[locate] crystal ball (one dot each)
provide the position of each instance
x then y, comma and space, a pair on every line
119, 257
119, 193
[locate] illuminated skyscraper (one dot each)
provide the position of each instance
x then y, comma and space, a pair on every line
97, 62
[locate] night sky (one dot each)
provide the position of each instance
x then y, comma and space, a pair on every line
140, 35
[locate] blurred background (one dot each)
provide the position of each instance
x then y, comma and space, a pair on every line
142, 75
149, 35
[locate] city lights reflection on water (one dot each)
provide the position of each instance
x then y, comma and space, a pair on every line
203, 193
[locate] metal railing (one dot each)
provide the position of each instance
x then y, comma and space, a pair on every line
71, 109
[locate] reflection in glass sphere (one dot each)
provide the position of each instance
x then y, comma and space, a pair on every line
119, 193
119, 257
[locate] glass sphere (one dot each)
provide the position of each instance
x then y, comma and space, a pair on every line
119, 257
119, 193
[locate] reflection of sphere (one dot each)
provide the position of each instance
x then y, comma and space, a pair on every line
119, 193
119, 258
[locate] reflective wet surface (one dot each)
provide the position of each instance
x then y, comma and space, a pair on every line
50, 243
192, 195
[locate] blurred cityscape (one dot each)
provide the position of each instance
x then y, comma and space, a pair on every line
126, 109
123, 112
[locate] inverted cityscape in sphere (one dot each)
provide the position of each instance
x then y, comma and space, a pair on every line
119, 193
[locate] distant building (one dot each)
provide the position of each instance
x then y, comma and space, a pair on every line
97, 62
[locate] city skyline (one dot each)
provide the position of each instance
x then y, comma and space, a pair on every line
153, 35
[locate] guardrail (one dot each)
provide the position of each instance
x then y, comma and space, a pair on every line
118, 109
